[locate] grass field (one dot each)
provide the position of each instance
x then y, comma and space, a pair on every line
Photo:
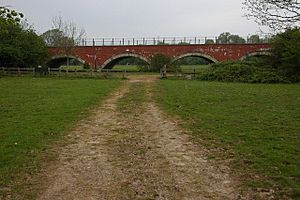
34, 112
258, 125
194, 68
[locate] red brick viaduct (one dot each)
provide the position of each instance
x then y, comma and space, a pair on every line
107, 56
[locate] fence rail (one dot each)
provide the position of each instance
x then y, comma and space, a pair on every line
162, 41
101, 73
104, 73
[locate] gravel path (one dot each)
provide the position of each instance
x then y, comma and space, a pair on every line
141, 154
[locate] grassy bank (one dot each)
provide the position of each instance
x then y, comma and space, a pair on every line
34, 112
258, 125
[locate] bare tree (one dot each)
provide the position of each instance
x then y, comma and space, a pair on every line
64, 34
276, 14
69, 30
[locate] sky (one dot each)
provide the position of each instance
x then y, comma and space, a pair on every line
140, 18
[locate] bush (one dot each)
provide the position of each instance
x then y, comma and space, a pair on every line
248, 72
282, 67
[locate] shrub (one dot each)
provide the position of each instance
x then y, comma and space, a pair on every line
249, 72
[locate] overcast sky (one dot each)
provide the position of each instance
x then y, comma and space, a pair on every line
140, 18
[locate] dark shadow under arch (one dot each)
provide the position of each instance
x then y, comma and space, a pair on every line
204, 56
110, 63
57, 61
257, 54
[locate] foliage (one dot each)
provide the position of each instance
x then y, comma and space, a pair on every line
276, 14
236, 39
286, 53
34, 115
256, 39
256, 125
158, 61
249, 72
228, 38
54, 38
209, 41
8, 16
282, 66
19, 47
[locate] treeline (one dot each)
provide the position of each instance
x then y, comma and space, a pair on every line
228, 38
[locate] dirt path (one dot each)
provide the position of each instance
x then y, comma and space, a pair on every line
134, 153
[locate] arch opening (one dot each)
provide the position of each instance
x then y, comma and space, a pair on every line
193, 62
66, 62
128, 62
255, 56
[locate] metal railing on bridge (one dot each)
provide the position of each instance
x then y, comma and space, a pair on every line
160, 41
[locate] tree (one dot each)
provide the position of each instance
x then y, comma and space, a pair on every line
209, 41
53, 37
236, 39
254, 39
19, 47
158, 61
228, 38
8, 16
64, 34
285, 54
224, 38
276, 14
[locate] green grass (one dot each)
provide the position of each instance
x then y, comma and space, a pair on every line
128, 68
258, 125
35, 112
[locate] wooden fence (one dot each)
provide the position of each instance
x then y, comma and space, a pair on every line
84, 73
56, 72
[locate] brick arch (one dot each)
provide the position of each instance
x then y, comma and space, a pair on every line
60, 57
205, 56
67, 56
108, 64
257, 53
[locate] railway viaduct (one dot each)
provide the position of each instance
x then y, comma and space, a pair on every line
105, 57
